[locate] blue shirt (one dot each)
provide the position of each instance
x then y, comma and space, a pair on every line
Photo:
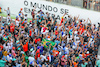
0, 53
56, 41
41, 48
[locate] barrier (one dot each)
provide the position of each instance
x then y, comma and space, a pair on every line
52, 8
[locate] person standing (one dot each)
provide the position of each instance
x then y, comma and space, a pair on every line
21, 13
8, 11
33, 13
2, 62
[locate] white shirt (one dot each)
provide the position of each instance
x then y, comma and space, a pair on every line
44, 32
66, 50
8, 18
2, 31
10, 45
1, 34
31, 59
43, 58
36, 31
33, 53
19, 18
9, 58
25, 18
8, 12
17, 23
6, 47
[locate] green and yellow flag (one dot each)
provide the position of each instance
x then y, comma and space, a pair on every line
48, 43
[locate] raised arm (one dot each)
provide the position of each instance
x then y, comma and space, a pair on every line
64, 14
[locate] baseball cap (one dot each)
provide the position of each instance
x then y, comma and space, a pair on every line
19, 14
16, 16
21, 8
9, 55
30, 21
13, 48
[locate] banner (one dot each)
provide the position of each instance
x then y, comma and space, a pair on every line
52, 8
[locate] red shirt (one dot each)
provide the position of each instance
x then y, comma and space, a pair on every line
25, 47
30, 33
87, 55
56, 32
36, 40
1, 47
62, 20
12, 28
37, 54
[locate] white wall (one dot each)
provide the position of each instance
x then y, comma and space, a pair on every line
15, 6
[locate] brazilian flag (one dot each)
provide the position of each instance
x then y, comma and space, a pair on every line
48, 43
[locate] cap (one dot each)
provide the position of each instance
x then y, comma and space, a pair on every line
16, 16
22, 26
9, 55
25, 21
48, 36
19, 14
2, 28
13, 48
57, 38
21, 8
30, 20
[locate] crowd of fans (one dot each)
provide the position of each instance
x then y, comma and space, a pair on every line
22, 44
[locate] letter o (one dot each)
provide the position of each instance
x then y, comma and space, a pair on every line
55, 9
25, 3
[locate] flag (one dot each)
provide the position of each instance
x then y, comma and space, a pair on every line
48, 43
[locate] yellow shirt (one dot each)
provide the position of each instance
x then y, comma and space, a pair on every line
5, 53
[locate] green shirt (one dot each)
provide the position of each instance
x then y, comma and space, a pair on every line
2, 63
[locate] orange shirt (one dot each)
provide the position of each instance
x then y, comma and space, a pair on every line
55, 52
75, 64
